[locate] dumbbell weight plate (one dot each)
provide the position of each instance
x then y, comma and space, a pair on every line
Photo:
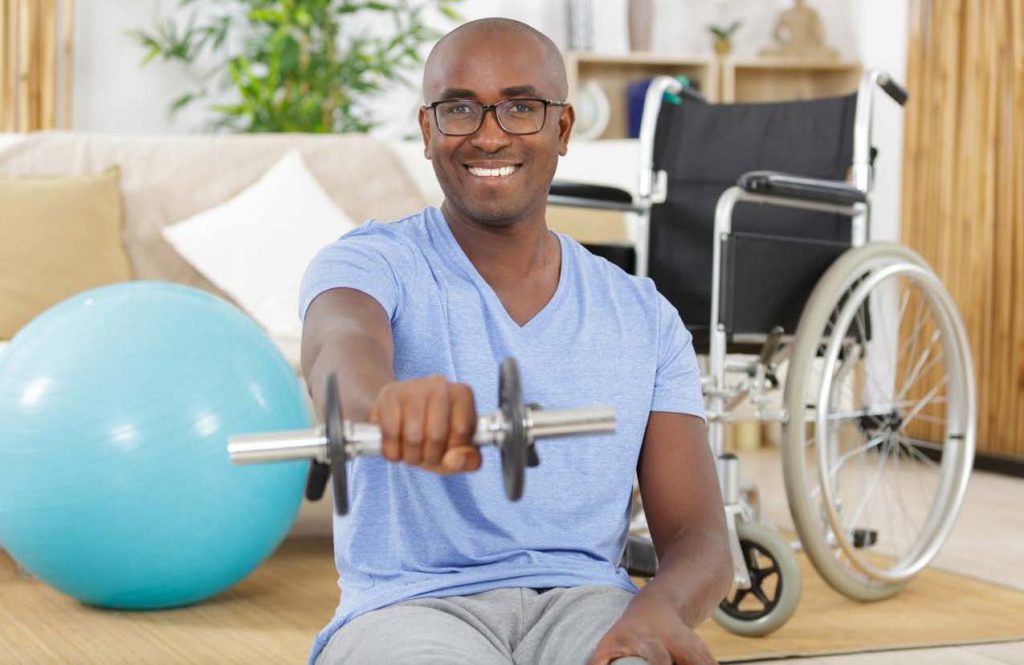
334, 431
515, 443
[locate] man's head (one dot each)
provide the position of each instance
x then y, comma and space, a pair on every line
490, 61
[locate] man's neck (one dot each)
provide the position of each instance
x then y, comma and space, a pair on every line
515, 250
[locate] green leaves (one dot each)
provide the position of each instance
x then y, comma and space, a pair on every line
295, 65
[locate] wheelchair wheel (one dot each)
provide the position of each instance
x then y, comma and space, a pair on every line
880, 438
775, 584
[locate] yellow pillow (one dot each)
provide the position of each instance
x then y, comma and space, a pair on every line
58, 236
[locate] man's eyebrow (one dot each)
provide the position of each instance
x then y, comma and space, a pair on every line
520, 90
456, 93
507, 93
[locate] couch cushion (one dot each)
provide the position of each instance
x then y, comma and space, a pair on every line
61, 235
257, 245
165, 179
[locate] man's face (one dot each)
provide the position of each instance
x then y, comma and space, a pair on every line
489, 67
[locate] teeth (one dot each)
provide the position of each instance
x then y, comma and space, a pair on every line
504, 170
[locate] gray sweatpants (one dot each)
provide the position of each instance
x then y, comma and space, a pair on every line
559, 626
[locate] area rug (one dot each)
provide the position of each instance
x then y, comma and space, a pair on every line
271, 616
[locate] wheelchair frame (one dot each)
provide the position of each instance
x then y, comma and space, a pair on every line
849, 199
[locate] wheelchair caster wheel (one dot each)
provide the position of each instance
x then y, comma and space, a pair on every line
775, 584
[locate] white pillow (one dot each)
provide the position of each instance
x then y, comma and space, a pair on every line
257, 245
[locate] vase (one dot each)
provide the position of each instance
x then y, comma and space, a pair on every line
581, 25
640, 18
723, 46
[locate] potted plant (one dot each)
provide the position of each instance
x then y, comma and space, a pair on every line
722, 37
294, 65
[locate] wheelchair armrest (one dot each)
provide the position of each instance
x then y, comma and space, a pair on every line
772, 183
584, 195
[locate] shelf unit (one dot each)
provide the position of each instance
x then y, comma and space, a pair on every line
728, 79
614, 72
776, 80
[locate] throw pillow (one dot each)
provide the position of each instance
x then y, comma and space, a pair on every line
58, 236
256, 246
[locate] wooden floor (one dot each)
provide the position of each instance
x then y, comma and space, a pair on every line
271, 616
987, 543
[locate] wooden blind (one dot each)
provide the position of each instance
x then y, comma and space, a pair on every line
963, 187
35, 64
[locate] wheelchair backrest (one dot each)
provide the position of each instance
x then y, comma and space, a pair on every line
704, 149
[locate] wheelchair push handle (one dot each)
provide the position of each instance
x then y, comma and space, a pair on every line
893, 89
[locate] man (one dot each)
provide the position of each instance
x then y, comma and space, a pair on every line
435, 565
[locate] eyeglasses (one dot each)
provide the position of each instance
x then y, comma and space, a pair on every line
462, 117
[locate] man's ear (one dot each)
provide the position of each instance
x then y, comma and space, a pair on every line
566, 119
424, 120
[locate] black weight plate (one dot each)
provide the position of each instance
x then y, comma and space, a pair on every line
515, 443
335, 432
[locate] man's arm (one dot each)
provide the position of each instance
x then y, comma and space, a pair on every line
427, 422
345, 329
683, 504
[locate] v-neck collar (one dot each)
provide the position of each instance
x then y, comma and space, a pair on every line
454, 250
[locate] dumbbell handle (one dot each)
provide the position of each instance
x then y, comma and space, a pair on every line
364, 438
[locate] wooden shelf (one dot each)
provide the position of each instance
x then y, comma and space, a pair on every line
614, 72
776, 79
719, 79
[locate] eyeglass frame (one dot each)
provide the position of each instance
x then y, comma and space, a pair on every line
487, 108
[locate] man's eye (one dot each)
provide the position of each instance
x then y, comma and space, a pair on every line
460, 109
523, 108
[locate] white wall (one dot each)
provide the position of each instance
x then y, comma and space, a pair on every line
113, 93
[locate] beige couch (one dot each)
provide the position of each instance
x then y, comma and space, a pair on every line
167, 179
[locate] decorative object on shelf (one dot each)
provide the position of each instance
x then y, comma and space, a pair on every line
722, 37
593, 111
581, 25
640, 18
298, 66
799, 33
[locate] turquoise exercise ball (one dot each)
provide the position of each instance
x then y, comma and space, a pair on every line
115, 411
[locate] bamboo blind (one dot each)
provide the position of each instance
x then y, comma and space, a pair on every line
35, 64
963, 182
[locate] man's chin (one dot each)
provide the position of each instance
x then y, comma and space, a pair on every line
493, 213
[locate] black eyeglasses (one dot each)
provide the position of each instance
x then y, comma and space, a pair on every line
462, 117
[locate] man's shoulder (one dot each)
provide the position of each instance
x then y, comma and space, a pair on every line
599, 270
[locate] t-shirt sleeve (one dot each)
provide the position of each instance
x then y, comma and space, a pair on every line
677, 381
364, 259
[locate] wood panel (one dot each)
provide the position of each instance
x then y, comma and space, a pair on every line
35, 64
963, 204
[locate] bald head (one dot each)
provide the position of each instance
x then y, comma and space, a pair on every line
491, 34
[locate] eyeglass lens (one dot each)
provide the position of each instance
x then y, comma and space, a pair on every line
516, 116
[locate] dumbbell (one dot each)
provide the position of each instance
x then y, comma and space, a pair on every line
513, 428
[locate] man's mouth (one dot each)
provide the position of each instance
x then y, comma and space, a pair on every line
501, 171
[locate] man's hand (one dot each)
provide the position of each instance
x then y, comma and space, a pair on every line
651, 629
428, 422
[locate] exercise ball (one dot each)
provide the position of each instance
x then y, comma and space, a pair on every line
115, 411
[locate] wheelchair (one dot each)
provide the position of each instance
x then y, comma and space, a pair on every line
777, 279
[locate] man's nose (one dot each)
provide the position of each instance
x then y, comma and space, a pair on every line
490, 137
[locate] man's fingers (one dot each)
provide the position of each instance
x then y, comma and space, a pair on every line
387, 413
435, 431
461, 458
691, 652
413, 421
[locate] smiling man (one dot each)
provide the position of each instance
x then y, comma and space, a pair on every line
414, 316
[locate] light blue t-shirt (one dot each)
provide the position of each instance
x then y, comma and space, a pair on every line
604, 338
